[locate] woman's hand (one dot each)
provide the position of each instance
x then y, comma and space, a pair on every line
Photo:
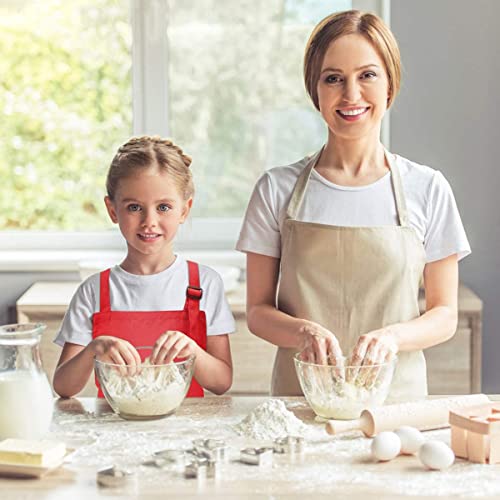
170, 345
373, 348
319, 345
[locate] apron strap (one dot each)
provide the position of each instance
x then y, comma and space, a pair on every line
193, 294
301, 186
105, 305
397, 186
303, 180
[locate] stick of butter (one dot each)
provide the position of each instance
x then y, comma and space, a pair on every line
30, 452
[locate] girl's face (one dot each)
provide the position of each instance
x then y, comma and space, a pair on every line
353, 88
148, 207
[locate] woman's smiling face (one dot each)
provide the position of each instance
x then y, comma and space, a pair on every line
353, 88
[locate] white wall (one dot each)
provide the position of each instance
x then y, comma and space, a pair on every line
448, 117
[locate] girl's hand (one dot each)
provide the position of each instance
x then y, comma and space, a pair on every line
117, 351
114, 350
170, 345
319, 345
373, 348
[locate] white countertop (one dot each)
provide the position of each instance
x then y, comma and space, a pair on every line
332, 465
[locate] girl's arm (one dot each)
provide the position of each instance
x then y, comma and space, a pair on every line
277, 327
73, 369
436, 325
76, 362
214, 368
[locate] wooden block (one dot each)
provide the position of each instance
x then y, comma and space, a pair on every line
477, 447
478, 419
459, 441
495, 449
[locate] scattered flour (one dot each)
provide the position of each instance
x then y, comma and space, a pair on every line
270, 420
153, 391
331, 464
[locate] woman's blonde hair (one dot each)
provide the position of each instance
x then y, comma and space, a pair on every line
146, 152
347, 23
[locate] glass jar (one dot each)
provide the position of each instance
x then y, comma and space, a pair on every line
26, 400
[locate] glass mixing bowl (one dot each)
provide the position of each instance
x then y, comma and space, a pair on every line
343, 393
146, 391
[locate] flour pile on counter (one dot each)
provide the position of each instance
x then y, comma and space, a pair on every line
153, 391
270, 420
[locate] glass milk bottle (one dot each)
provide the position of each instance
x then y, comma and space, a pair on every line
26, 401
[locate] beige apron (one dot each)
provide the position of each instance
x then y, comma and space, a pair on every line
351, 280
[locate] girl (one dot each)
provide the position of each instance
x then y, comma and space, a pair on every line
153, 297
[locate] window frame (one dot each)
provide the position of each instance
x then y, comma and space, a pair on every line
151, 116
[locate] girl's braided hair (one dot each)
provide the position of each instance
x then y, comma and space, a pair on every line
148, 151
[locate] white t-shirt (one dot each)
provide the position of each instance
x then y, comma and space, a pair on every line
164, 291
432, 210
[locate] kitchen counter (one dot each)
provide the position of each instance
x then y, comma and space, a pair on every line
331, 465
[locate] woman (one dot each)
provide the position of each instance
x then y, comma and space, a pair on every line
346, 235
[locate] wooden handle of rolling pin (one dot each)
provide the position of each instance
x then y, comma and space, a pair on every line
424, 415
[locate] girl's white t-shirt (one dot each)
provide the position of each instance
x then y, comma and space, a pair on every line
431, 206
164, 291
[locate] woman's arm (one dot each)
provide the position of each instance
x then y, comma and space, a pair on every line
439, 322
436, 325
267, 322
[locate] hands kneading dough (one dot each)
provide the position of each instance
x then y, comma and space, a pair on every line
320, 346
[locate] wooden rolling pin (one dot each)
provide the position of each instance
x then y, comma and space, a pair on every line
424, 415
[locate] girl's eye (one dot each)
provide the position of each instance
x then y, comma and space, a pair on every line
332, 79
163, 207
133, 207
369, 75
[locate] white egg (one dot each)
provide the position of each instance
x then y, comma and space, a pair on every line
386, 446
411, 439
436, 455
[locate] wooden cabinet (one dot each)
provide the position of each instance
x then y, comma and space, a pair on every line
453, 367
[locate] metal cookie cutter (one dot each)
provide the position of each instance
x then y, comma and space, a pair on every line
114, 477
202, 468
215, 449
293, 445
196, 470
257, 456
162, 458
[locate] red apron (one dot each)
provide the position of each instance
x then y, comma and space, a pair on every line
142, 328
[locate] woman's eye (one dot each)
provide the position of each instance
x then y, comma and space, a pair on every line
163, 208
133, 207
333, 79
368, 75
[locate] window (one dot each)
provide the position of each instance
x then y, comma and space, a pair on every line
66, 104
223, 78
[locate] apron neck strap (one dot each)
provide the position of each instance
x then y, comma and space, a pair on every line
303, 181
301, 186
104, 301
397, 186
